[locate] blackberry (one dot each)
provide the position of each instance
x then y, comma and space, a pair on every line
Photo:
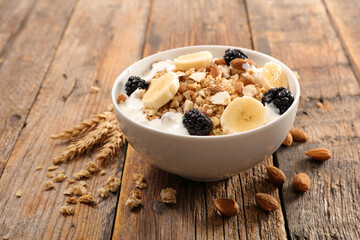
232, 53
197, 123
133, 83
280, 97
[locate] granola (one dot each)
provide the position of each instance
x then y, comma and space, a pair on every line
134, 200
168, 195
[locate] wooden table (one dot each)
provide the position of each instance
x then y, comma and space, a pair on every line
52, 52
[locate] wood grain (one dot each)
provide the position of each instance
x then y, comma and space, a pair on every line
30, 31
304, 39
191, 23
98, 44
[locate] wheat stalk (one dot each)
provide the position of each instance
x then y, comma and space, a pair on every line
84, 127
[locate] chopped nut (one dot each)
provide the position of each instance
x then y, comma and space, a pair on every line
87, 199
102, 172
220, 61
67, 210
168, 195
121, 98
52, 168
139, 181
39, 168
94, 89
134, 200
103, 192
49, 175
18, 193
49, 185
71, 181
82, 174
59, 178
71, 200
183, 88
92, 167
238, 86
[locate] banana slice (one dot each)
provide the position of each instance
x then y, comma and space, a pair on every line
243, 114
273, 76
161, 91
193, 60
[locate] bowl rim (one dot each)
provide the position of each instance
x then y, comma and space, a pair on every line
208, 47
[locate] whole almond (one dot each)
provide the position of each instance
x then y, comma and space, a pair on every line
276, 175
246, 81
319, 154
238, 86
215, 71
288, 140
301, 182
227, 207
299, 135
220, 61
266, 202
215, 89
237, 63
183, 88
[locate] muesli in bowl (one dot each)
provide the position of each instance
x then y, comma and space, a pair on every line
197, 94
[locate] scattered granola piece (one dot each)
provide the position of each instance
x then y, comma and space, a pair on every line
103, 192
60, 172
121, 98
92, 167
94, 89
134, 200
67, 210
102, 172
139, 181
18, 193
168, 195
39, 168
81, 174
52, 168
87, 199
49, 175
7, 236
71, 200
59, 178
113, 183
68, 191
319, 105
82, 183
49, 185
79, 190
71, 181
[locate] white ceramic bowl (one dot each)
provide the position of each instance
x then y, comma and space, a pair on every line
204, 158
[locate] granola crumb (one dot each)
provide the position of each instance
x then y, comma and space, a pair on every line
319, 105
49, 175
71, 200
68, 191
92, 167
18, 193
60, 172
59, 178
39, 168
49, 185
67, 210
168, 195
134, 200
52, 168
113, 183
94, 89
7, 236
102, 172
139, 181
87, 199
71, 181
103, 192
79, 190
81, 174
121, 98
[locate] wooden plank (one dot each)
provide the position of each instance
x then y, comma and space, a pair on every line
193, 217
98, 44
30, 31
345, 18
300, 34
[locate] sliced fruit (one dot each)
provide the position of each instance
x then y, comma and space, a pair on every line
243, 114
161, 91
273, 76
193, 60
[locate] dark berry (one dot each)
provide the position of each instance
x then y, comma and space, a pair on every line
135, 82
232, 53
280, 97
197, 123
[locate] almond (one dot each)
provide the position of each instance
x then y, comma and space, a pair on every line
238, 86
266, 202
182, 88
288, 140
238, 62
227, 207
215, 71
301, 182
216, 89
246, 81
276, 175
220, 61
319, 154
299, 135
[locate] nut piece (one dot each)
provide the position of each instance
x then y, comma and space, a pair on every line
168, 195
301, 182
237, 63
215, 89
299, 135
215, 71
220, 61
319, 154
276, 175
288, 140
227, 207
266, 202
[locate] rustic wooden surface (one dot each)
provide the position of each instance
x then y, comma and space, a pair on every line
52, 52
